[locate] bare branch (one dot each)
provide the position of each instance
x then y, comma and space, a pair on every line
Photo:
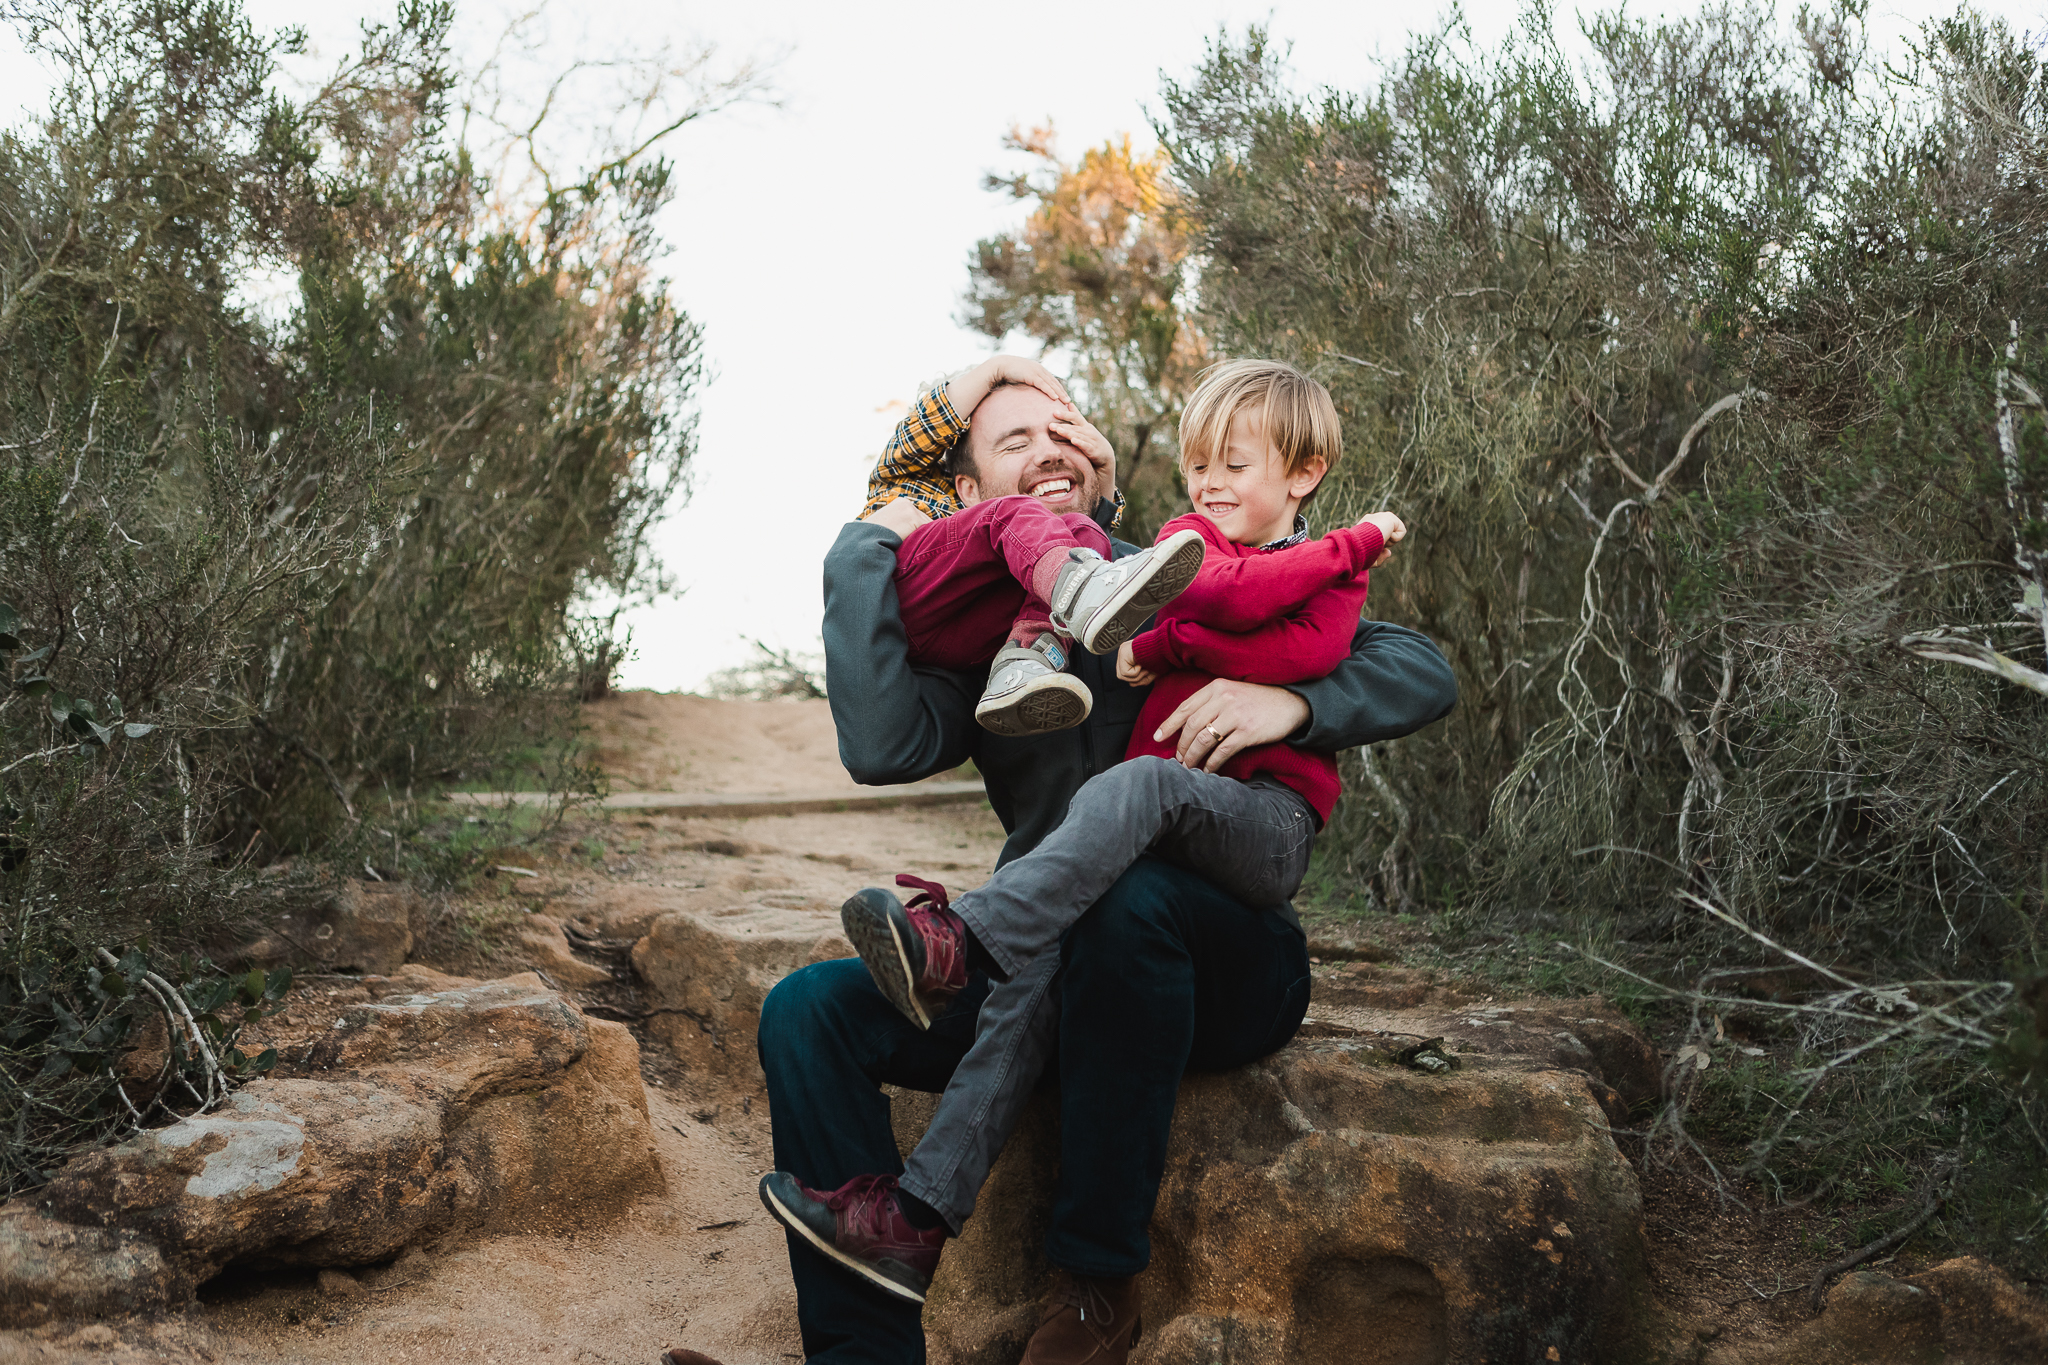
1955, 649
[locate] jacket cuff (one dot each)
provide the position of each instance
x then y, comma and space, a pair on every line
1153, 651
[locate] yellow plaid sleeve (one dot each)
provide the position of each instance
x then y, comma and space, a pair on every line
913, 464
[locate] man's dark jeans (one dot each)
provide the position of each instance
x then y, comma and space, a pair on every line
1164, 975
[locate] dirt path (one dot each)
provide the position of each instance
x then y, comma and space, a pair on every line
696, 1263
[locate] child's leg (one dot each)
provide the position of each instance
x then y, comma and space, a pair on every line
1034, 616
964, 582
1250, 839
979, 1110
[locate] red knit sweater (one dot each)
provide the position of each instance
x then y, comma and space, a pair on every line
1259, 616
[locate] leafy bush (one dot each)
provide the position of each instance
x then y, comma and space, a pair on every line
271, 577
1709, 377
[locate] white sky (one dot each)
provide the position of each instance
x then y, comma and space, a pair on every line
823, 245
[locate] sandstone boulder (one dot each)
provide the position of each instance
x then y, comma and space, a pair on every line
1961, 1312
484, 1107
1329, 1204
363, 927
705, 974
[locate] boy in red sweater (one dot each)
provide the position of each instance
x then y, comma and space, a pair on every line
1268, 605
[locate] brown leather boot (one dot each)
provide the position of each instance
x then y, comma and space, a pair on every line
1087, 1322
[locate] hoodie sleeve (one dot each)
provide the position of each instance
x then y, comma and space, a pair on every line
896, 722
1394, 682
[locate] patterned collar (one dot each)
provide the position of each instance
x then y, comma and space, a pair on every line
1299, 534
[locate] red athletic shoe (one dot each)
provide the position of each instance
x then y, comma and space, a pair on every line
917, 954
861, 1226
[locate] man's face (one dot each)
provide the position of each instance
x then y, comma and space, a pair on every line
1015, 452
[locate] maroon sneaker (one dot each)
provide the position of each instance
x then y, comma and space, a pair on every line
861, 1226
917, 954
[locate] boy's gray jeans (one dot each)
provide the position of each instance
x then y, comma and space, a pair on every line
1250, 840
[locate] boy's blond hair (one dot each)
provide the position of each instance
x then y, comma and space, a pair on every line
1296, 414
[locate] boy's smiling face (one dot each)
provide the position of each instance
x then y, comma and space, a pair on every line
1245, 487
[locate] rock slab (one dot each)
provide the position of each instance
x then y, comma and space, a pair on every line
706, 973
1964, 1311
483, 1107
1328, 1204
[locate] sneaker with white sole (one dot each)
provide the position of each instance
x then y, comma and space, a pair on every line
1029, 693
1100, 603
861, 1227
916, 953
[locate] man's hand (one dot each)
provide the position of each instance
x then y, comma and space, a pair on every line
1074, 429
1391, 527
901, 516
1128, 669
966, 392
1226, 718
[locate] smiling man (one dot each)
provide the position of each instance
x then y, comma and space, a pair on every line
1163, 975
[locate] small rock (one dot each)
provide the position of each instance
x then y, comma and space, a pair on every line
546, 947
339, 1284
364, 927
707, 974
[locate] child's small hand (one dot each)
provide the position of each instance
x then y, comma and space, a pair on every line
1392, 528
1078, 432
966, 392
1128, 669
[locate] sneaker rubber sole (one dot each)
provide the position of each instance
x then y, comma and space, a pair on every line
880, 931
1179, 559
891, 1275
1057, 701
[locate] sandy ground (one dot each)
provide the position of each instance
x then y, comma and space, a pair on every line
662, 741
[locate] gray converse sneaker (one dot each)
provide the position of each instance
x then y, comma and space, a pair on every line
1102, 602
1028, 694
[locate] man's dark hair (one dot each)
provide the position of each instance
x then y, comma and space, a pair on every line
960, 459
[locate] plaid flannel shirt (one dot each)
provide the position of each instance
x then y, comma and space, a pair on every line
913, 465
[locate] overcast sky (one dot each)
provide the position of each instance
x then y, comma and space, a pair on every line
823, 244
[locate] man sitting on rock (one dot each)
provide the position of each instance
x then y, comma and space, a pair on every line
1164, 975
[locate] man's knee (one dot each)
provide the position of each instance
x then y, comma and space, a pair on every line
1137, 910
805, 1006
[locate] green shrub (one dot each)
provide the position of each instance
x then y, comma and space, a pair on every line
270, 581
